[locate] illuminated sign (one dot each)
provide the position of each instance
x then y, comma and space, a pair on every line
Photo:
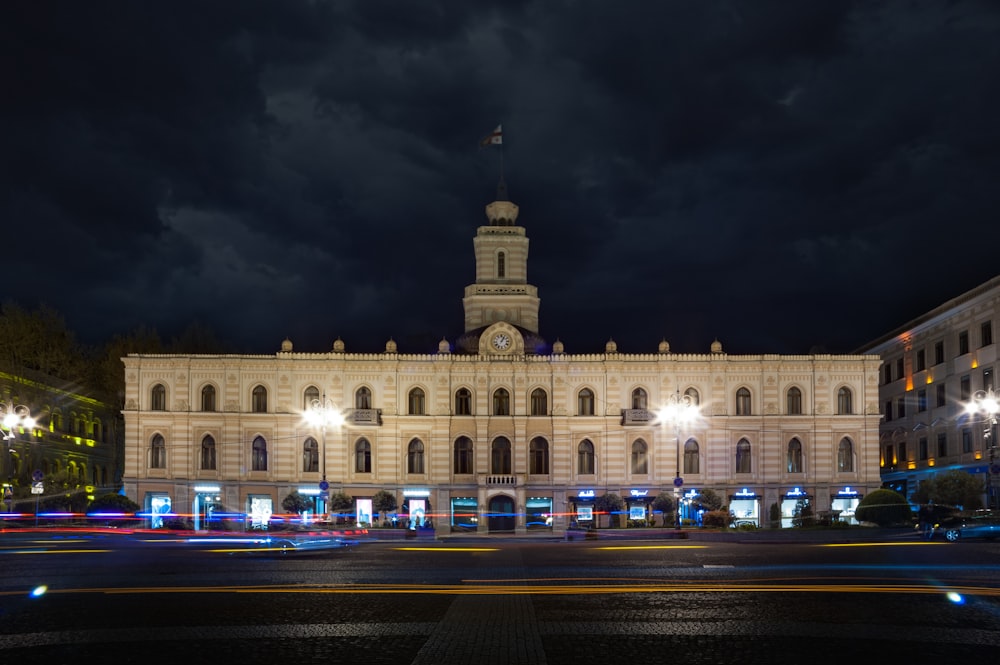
207, 488
690, 494
795, 491
639, 492
847, 491
586, 494
416, 493
746, 493
309, 491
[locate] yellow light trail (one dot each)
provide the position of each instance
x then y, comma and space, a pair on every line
446, 549
56, 551
652, 547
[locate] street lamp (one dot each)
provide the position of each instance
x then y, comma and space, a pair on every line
14, 417
984, 403
323, 413
680, 410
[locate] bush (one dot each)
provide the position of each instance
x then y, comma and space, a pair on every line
716, 519
884, 507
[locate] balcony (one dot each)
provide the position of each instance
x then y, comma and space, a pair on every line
498, 479
637, 417
364, 417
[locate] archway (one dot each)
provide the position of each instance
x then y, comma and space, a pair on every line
501, 513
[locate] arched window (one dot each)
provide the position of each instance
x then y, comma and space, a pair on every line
416, 402
98, 431
692, 393
258, 456
539, 402
500, 455
157, 452
310, 456
363, 398
844, 406
309, 395
639, 400
259, 402
692, 462
208, 453
640, 464
743, 402
538, 456
845, 456
794, 461
743, 456
415, 457
463, 455
501, 265
363, 456
463, 402
501, 402
208, 398
585, 458
793, 402
158, 398
585, 402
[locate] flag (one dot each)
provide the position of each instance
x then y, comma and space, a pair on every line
494, 138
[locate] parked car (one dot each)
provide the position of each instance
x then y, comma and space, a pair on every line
971, 524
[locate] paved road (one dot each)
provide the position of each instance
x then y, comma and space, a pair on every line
749, 600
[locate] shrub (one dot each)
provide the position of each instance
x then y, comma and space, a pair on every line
884, 507
716, 519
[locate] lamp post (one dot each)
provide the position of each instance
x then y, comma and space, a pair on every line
323, 413
14, 417
679, 410
984, 403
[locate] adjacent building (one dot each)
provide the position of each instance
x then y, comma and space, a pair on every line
933, 367
500, 430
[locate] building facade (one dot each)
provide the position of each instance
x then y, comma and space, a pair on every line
500, 430
933, 367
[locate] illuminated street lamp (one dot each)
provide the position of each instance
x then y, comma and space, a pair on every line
13, 417
984, 403
323, 413
680, 410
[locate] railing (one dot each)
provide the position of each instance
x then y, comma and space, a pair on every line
364, 417
637, 417
498, 479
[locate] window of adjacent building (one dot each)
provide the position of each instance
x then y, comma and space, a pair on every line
793, 401
921, 400
888, 410
585, 402
844, 401
310, 456
901, 406
887, 371
942, 444
157, 452
585, 458
501, 402
966, 440
986, 333
964, 388
463, 402
743, 402
158, 398
362, 456
922, 448
309, 396
845, 455
639, 400
415, 457
889, 460
940, 392
691, 457
259, 401
208, 398
415, 402
899, 368
903, 459
743, 456
539, 402
500, 456
463, 455
963, 343
98, 432
538, 456
363, 398
640, 465
693, 395
938, 353
921, 361
501, 264
794, 456
987, 378
208, 453
258, 454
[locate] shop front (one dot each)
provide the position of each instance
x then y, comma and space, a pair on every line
638, 505
538, 513
207, 512
317, 503
691, 510
416, 509
793, 503
844, 503
744, 506
259, 509
158, 509
582, 509
464, 514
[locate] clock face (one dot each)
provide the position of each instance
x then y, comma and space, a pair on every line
501, 341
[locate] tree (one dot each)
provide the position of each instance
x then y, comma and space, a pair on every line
612, 504
112, 502
340, 502
951, 488
709, 500
296, 503
664, 503
884, 507
384, 502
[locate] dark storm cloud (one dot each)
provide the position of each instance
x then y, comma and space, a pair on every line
780, 176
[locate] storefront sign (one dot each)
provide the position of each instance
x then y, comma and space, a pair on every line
847, 491
585, 494
796, 492
207, 488
639, 492
745, 494
416, 493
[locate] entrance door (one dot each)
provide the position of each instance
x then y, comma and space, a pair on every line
501, 514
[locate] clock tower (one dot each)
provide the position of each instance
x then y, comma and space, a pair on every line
501, 292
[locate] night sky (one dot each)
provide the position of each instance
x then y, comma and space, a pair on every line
785, 177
